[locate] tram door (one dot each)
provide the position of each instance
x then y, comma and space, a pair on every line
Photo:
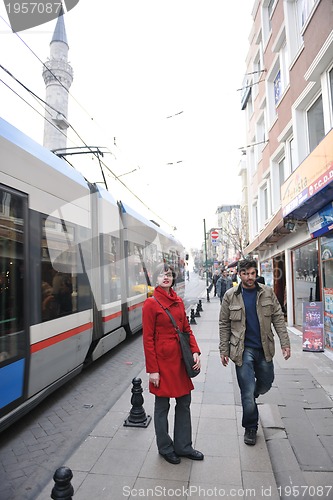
13, 263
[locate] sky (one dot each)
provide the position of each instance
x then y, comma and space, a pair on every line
157, 84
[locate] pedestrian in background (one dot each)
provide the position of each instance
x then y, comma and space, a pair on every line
167, 373
246, 337
223, 284
260, 279
216, 276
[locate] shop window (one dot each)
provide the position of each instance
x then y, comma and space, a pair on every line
306, 278
327, 263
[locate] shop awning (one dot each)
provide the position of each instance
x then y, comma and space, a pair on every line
273, 232
313, 204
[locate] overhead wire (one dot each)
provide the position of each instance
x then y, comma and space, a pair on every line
26, 102
70, 126
55, 77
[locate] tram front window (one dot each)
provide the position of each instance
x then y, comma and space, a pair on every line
11, 273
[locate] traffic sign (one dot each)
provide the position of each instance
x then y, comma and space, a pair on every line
214, 235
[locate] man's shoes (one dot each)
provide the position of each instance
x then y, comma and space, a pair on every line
250, 436
171, 457
194, 455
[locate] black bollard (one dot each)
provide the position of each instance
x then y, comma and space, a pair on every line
207, 290
200, 305
62, 490
192, 320
137, 416
197, 313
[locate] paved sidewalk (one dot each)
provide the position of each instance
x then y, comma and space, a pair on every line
116, 462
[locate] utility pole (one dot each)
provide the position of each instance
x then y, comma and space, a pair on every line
206, 263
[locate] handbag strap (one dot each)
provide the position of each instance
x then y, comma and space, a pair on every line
169, 314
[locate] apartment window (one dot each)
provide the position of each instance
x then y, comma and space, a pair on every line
255, 218
267, 11
281, 172
252, 163
277, 79
257, 74
278, 178
315, 118
330, 77
260, 137
292, 155
277, 87
264, 202
293, 26
279, 75
305, 8
249, 107
270, 8
284, 64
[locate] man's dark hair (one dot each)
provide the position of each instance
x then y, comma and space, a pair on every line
245, 264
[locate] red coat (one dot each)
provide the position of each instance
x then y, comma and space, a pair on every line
161, 344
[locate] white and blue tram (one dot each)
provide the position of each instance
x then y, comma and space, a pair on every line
75, 269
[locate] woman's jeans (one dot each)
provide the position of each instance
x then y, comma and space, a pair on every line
182, 433
255, 377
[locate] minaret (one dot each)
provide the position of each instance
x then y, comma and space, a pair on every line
58, 77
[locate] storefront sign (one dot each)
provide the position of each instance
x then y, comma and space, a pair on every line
312, 175
328, 317
321, 222
313, 326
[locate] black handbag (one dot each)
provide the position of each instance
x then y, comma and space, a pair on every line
184, 339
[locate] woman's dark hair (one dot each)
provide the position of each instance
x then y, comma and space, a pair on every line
164, 268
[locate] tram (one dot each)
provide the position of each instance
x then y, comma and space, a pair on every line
75, 269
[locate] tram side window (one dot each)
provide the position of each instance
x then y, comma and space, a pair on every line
11, 273
111, 269
59, 264
136, 272
150, 260
179, 268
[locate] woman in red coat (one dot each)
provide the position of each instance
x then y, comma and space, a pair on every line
167, 374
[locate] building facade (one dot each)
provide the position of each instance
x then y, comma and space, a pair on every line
287, 99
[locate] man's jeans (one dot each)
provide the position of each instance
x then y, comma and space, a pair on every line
255, 377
